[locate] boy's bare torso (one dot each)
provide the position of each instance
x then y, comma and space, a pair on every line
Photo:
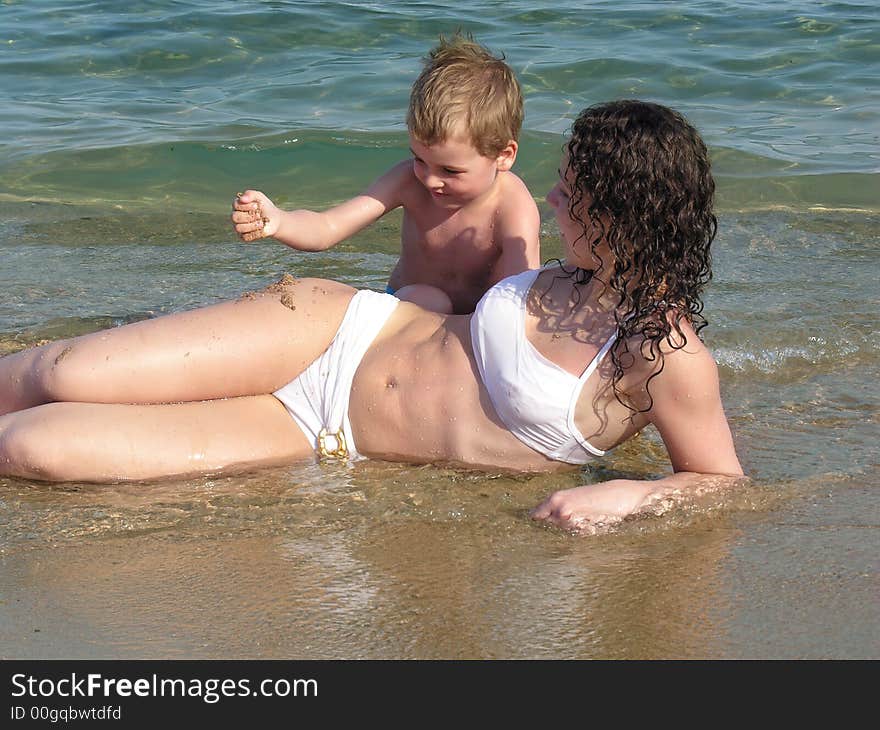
457, 249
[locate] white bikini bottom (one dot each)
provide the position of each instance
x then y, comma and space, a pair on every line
318, 398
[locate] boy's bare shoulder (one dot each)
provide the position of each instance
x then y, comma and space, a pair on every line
403, 170
516, 229
516, 204
410, 189
515, 195
397, 184
513, 184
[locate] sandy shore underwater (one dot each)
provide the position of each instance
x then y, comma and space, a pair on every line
399, 562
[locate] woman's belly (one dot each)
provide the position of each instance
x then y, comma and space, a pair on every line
417, 397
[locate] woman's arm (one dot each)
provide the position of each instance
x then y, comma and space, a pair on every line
687, 412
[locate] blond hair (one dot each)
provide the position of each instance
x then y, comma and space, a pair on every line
464, 88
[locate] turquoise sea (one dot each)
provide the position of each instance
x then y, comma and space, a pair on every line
127, 127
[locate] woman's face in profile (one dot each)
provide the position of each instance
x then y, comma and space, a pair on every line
575, 227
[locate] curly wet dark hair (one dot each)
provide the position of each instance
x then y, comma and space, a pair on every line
640, 173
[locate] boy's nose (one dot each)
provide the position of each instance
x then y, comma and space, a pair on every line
433, 181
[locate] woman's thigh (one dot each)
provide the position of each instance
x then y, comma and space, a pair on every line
99, 442
250, 346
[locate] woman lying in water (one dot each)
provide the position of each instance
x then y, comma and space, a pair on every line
555, 367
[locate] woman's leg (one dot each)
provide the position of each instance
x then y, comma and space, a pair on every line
251, 346
98, 442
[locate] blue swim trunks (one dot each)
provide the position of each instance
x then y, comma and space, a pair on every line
389, 290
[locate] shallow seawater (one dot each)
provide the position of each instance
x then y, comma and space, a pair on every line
130, 128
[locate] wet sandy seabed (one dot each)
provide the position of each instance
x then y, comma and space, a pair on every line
386, 561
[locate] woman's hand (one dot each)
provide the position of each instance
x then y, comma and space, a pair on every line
591, 505
583, 509
254, 216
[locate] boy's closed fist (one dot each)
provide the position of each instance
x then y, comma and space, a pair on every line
254, 216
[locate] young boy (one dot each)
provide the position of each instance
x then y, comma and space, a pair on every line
468, 221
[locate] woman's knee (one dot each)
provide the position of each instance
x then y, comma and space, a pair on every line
31, 446
52, 374
67, 372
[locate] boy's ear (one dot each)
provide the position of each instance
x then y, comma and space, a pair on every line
507, 156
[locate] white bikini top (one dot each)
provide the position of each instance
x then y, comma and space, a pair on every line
533, 396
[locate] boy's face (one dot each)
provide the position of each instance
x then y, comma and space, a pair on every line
453, 172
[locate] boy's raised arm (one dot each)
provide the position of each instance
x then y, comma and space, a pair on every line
255, 216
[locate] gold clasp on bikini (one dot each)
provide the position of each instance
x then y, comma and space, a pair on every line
341, 450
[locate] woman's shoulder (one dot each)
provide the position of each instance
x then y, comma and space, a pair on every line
671, 381
675, 360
